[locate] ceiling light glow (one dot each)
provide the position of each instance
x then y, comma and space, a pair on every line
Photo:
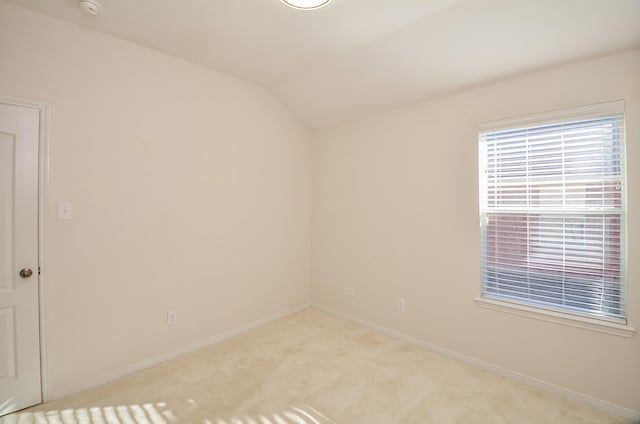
306, 4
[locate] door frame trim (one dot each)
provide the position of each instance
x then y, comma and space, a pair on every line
43, 186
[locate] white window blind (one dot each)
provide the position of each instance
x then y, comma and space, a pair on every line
552, 214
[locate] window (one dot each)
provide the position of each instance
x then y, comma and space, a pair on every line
552, 211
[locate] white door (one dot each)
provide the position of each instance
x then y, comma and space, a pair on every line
19, 310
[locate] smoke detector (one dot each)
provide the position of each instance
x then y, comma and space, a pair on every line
90, 7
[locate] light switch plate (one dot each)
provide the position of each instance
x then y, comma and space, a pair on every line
65, 210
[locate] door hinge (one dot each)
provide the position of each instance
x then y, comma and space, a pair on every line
38, 270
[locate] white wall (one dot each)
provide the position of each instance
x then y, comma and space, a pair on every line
190, 191
395, 213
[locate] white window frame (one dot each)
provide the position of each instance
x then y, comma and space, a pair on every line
543, 313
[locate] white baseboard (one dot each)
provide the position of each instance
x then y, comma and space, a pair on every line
70, 389
562, 391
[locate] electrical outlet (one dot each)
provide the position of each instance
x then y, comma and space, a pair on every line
352, 291
172, 317
400, 304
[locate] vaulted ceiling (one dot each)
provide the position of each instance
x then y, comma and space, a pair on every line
357, 57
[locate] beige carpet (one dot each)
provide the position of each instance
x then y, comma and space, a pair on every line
312, 368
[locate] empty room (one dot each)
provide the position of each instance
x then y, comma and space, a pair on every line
319, 211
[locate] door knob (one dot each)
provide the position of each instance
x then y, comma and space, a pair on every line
26, 272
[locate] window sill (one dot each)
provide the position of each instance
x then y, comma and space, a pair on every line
557, 317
